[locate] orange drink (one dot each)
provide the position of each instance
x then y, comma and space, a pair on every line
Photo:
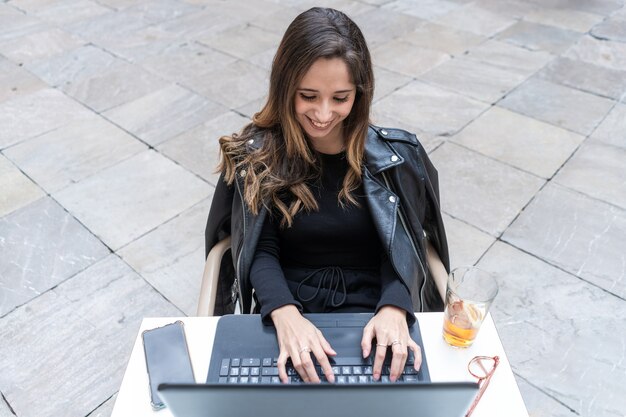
470, 292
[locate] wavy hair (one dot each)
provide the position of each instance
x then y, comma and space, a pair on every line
277, 173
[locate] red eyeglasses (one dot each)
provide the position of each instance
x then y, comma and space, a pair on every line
481, 367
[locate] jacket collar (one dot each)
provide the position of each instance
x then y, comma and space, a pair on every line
379, 155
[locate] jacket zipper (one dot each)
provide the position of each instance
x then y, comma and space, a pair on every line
406, 230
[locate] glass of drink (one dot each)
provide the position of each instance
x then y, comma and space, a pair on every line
469, 294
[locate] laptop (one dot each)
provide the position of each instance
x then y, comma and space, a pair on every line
243, 379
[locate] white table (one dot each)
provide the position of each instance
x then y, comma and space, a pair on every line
445, 363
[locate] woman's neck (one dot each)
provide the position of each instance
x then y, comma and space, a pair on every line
331, 144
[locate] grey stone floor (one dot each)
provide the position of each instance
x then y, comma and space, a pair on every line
110, 112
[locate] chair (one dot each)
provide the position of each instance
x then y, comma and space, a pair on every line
208, 289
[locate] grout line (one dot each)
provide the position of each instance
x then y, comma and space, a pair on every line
546, 393
11, 410
101, 404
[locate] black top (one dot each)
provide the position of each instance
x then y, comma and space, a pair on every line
328, 260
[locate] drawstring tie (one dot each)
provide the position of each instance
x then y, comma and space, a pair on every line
331, 279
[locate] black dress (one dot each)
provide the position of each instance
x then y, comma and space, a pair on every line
330, 260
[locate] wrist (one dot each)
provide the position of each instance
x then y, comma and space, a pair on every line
391, 309
282, 311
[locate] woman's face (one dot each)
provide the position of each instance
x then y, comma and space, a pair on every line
323, 100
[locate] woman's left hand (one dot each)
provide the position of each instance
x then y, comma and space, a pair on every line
389, 327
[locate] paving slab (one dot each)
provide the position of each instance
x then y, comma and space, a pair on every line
245, 10
564, 18
443, 38
183, 62
407, 59
14, 23
602, 81
99, 27
613, 29
163, 114
106, 409
5, 410
612, 130
140, 44
73, 66
516, 9
350, 7
249, 109
428, 140
539, 403
569, 351
603, 7
278, 21
171, 258
609, 54
537, 36
242, 41
386, 82
119, 84
561, 106
377, 30
62, 12
202, 23
503, 54
466, 243
144, 190
430, 108
16, 81
481, 191
521, 141
598, 170
263, 59
233, 85
17, 189
576, 233
425, 9
42, 245
155, 11
475, 79
474, 18
198, 149
30, 115
69, 154
79, 333
39, 45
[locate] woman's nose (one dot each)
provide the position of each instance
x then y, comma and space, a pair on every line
323, 113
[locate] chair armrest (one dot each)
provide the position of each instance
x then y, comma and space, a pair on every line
208, 289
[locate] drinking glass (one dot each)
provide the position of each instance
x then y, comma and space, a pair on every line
469, 294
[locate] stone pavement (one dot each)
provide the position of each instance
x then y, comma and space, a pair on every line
110, 112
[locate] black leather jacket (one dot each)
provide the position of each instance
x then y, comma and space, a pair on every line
402, 192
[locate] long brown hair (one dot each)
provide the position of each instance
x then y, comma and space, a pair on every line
277, 173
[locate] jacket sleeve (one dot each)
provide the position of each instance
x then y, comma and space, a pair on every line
434, 221
266, 274
393, 292
218, 222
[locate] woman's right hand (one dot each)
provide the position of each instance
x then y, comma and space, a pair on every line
298, 338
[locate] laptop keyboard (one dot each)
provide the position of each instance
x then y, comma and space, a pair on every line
354, 370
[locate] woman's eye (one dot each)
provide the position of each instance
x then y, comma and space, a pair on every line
341, 99
308, 98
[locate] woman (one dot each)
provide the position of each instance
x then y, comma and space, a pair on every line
326, 212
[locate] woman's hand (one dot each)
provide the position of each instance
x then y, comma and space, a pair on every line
298, 338
390, 329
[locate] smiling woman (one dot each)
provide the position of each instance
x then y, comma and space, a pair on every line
325, 98
328, 213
